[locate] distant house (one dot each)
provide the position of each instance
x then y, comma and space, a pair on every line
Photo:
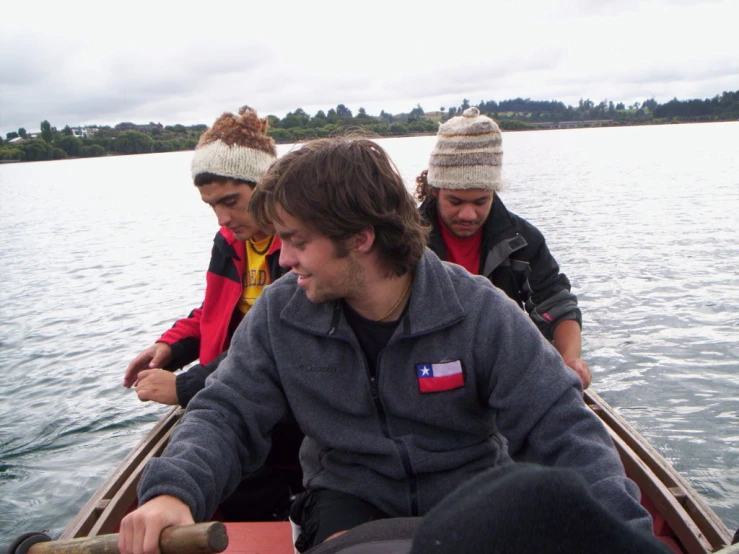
28, 136
435, 116
83, 132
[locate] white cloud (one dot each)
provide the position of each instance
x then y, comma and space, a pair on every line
87, 62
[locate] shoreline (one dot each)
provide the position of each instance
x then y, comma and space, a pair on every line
543, 126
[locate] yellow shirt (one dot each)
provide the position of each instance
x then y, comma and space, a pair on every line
256, 273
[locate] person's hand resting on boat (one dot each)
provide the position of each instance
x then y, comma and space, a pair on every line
157, 355
140, 530
158, 385
568, 343
582, 369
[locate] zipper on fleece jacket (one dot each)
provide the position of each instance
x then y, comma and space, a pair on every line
402, 450
375, 393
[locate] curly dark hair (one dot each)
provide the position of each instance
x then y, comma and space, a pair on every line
423, 189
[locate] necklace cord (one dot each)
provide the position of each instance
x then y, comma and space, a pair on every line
402, 297
261, 252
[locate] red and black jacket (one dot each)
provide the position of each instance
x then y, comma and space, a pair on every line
206, 333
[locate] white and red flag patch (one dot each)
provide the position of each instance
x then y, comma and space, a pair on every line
440, 377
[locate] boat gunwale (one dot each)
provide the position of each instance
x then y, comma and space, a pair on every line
91, 520
656, 477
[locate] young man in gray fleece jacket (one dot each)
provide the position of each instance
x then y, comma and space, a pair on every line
403, 382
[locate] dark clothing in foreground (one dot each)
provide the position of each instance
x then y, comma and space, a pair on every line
525, 508
519, 508
322, 513
515, 258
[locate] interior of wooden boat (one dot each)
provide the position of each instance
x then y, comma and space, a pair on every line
681, 517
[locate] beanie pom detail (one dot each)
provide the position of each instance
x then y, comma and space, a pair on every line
236, 146
468, 153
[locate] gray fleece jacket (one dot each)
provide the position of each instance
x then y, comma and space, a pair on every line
380, 437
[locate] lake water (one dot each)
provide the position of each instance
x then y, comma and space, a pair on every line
99, 256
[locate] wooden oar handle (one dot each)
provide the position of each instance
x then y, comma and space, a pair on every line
201, 538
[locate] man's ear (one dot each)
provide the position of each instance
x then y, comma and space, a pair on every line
364, 240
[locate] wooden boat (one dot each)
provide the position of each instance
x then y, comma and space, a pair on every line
681, 518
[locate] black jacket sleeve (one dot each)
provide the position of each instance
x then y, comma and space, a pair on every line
191, 381
548, 296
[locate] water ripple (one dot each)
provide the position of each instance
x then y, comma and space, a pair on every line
641, 219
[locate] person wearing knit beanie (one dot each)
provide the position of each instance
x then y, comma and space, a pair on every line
471, 226
235, 147
230, 158
468, 154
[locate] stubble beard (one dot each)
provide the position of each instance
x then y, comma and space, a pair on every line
346, 285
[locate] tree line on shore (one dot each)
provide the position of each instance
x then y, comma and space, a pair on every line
96, 141
297, 126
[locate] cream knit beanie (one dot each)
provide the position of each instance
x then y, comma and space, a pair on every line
236, 146
468, 153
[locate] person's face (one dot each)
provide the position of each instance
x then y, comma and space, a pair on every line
326, 270
230, 202
464, 211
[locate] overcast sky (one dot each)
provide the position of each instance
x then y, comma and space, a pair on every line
102, 62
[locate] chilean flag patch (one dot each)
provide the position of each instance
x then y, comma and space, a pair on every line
440, 377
